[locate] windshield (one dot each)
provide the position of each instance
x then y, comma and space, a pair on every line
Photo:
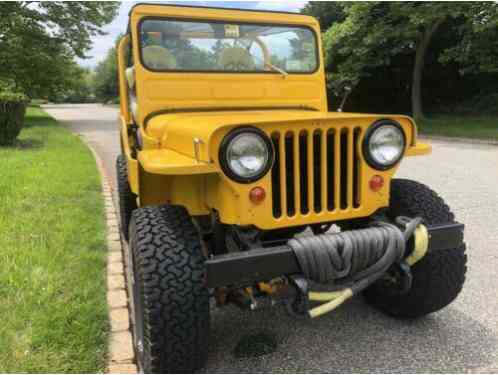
168, 45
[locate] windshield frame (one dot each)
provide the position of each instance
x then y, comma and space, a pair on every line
220, 21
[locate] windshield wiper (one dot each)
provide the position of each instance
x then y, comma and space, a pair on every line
271, 66
277, 69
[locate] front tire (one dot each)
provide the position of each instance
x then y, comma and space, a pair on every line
127, 200
171, 302
439, 276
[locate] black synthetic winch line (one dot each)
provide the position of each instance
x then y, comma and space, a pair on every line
353, 259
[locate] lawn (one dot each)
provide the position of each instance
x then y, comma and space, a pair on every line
461, 126
52, 253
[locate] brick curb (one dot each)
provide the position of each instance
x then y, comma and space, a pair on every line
477, 141
121, 356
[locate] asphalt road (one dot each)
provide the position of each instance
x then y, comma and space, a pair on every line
356, 338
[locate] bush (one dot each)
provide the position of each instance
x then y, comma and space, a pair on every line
112, 101
38, 102
12, 110
486, 104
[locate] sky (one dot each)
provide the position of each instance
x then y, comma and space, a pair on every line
102, 43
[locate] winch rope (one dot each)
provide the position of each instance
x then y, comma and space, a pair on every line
353, 259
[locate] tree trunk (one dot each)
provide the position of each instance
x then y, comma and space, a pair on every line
417, 109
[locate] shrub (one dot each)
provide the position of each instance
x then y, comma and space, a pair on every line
38, 102
12, 110
112, 101
486, 104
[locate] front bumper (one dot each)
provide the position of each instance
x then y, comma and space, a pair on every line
244, 268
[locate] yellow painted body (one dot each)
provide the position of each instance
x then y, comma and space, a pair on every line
178, 162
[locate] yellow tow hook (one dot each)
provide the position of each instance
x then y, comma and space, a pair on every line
334, 299
421, 236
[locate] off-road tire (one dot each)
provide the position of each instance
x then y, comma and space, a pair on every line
438, 277
127, 200
171, 302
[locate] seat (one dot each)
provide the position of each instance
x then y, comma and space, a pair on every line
130, 77
157, 57
236, 59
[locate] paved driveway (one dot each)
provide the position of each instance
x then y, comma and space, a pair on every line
357, 338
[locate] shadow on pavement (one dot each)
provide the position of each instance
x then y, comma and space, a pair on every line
69, 105
356, 338
89, 126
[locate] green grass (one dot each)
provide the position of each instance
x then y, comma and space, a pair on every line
460, 126
52, 253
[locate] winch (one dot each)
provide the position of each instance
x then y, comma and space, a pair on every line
351, 261
346, 262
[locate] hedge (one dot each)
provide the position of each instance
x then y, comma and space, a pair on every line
12, 110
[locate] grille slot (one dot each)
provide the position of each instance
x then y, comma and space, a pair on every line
275, 178
356, 168
330, 165
315, 171
290, 159
303, 168
344, 149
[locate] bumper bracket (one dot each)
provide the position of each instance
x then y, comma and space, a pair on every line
246, 267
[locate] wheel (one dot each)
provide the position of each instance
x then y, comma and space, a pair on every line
170, 300
127, 200
439, 276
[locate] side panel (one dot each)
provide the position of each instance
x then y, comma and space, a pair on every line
187, 191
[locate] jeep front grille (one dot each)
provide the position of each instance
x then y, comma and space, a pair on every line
316, 170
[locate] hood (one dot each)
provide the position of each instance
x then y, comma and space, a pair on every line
179, 131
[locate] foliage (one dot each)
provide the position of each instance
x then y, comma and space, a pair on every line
69, 23
82, 89
105, 80
371, 35
189, 56
6, 86
51, 215
477, 50
12, 97
485, 104
12, 110
78, 87
38, 41
326, 12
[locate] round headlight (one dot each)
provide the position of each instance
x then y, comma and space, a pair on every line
384, 144
246, 154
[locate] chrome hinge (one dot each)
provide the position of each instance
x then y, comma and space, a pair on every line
197, 144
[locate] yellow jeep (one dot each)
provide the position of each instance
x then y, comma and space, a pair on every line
237, 184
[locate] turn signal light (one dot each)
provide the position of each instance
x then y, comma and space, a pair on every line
257, 195
376, 183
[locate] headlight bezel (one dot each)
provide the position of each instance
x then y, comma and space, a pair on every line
223, 154
371, 161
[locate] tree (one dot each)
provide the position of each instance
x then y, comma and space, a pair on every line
478, 48
78, 88
39, 72
106, 77
373, 33
326, 12
38, 40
